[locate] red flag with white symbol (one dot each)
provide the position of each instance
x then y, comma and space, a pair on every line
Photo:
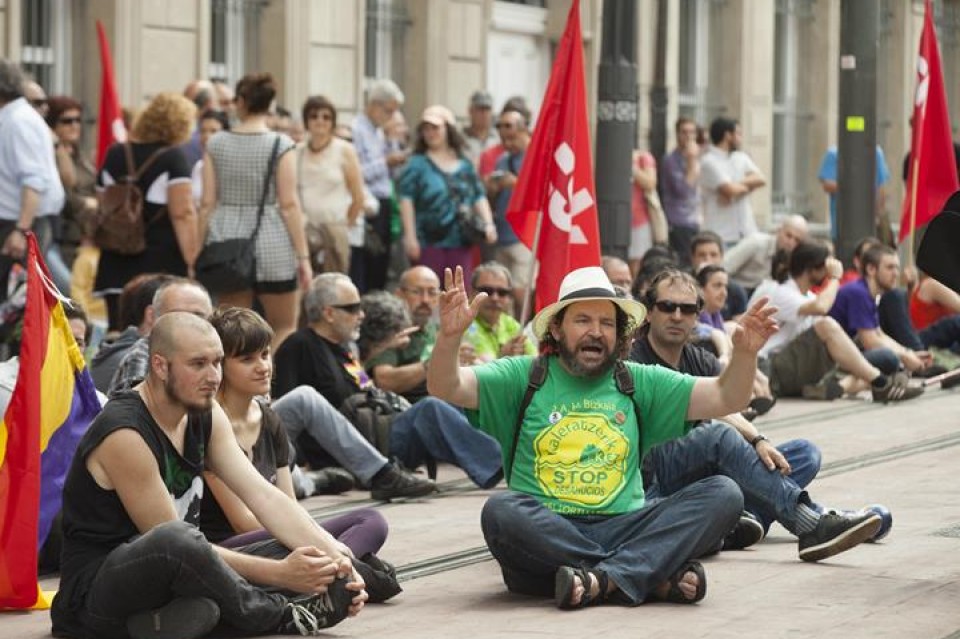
110, 128
555, 190
932, 176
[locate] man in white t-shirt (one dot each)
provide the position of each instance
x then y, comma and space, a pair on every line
727, 177
806, 355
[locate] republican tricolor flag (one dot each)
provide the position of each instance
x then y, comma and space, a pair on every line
932, 174
553, 207
52, 405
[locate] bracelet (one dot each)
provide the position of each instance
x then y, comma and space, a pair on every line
759, 438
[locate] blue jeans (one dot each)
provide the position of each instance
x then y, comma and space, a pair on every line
304, 409
718, 449
883, 359
895, 319
944, 333
639, 550
433, 429
174, 560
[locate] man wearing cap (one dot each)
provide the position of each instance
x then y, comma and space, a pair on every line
479, 134
575, 522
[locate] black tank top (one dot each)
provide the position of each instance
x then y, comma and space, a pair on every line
94, 519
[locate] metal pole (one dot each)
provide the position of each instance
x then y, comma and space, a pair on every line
616, 124
658, 92
857, 137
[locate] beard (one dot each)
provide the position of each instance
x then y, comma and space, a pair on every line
192, 405
570, 359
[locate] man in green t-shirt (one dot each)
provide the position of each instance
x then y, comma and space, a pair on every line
495, 333
403, 369
576, 495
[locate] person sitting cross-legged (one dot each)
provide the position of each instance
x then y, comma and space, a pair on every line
134, 562
672, 304
574, 426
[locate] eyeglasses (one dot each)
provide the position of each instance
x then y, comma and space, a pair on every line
76, 120
353, 308
326, 116
492, 290
421, 292
668, 307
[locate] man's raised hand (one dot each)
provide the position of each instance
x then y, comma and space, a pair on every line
456, 312
755, 327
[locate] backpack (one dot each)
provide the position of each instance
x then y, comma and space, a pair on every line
119, 226
536, 378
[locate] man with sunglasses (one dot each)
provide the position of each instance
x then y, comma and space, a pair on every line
320, 355
495, 333
30, 189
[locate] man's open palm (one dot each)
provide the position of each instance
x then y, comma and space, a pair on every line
755, 327
456, 312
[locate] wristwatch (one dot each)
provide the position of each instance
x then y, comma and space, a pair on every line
759, 438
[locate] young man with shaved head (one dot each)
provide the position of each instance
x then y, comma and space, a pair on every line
134, 562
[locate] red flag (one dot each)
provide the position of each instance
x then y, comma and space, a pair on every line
933, 167
556, 179
110, 128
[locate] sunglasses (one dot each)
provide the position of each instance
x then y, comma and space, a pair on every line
492, 290
668, 307
76, 120
353, 308
38, 103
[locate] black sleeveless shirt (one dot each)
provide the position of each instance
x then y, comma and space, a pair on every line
94, 519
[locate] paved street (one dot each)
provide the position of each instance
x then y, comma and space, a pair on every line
906, 586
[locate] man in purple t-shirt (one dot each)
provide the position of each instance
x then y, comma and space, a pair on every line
855, 309
680, 178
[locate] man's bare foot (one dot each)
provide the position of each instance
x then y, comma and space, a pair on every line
688, 585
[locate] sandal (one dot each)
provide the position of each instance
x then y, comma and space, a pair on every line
676, 595
564, 584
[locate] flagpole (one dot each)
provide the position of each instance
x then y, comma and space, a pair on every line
525, 313
911, 261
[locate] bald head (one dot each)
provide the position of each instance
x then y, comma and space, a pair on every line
414, 275
792, 231
175, 331
182, 295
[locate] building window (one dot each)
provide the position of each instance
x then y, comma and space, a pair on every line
792, 117
45, 43
387, 24
698, 75
234, 38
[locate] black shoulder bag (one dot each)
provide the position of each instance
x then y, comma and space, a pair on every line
229, 266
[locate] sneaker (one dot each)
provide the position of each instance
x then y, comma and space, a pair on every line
182, 618
898, 389
827, 389
746, 533
308, 615
379, 576
332, 480
396, 482
836, 533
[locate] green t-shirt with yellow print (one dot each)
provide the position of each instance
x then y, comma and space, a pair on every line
579, 445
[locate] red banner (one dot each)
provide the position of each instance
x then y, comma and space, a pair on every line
555, 187
110, 127
932, 175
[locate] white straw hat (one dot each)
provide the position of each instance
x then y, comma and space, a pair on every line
583, 285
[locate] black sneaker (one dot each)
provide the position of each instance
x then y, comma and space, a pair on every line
308, 615
838, 532
395, 482
332, 480
182, 618
898, 389
379, 576
746, 533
